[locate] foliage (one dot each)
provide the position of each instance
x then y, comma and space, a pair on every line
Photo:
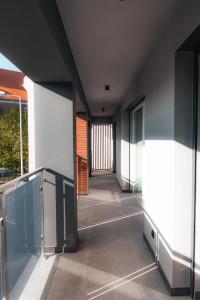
10, 139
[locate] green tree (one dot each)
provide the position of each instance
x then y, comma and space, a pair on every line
10, 139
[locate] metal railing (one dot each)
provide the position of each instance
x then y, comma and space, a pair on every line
21, 231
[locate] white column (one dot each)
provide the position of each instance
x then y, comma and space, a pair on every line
50, 118
51, 121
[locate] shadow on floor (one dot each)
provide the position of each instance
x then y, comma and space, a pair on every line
113, 261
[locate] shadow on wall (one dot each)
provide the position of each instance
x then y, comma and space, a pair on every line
170, 137
63, 89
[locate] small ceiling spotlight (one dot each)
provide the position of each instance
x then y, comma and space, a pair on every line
103, 109
107, 87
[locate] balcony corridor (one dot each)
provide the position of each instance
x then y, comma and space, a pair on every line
113, 261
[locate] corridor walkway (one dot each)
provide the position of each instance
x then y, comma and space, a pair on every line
113, 261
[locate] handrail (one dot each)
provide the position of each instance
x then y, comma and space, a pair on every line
11, 183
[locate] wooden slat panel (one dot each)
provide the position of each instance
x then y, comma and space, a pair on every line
102, 148
82, 154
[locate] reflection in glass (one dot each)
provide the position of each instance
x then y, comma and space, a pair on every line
137, 144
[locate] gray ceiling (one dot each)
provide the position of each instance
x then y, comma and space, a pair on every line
34, 39
27, 41
110, 41
89, 42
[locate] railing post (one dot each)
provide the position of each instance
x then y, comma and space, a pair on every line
1, 258
4, 278
42, 210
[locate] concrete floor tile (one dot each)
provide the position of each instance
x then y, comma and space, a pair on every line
113, 261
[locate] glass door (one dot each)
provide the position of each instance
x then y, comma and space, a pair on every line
137, 148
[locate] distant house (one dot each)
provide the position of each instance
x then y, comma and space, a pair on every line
11, 89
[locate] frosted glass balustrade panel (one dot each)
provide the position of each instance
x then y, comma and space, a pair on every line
23, 233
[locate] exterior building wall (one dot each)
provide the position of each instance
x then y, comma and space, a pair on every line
11, 90
82, 143
167, 182
11, 82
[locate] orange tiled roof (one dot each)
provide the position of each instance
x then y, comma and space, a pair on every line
11, 82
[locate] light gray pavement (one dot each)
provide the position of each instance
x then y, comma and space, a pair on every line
113, 261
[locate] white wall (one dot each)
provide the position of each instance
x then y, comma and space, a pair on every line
50, 120
197, 216
167, 180
183, 153
51, 145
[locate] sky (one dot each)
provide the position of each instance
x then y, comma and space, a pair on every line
6, 64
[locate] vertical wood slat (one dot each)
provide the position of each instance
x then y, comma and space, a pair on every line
82, 143
102, 147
